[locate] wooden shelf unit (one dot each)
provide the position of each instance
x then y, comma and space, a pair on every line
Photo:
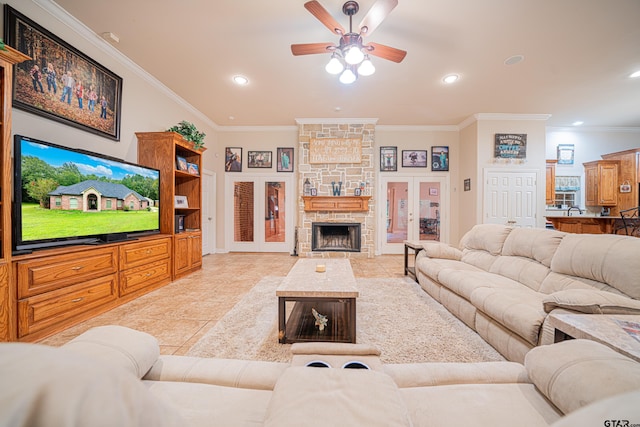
8, 58
336, 203
160, 150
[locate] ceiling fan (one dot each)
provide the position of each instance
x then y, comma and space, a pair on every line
350, 56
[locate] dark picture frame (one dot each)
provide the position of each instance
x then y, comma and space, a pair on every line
181, 164
193, 169
388, 159
414, 158
284, 160
233, 159
440, 158
45, 91
259, 159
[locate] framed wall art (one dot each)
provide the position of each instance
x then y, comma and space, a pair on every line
440, 158
388, 159
565, 154
510, 146
414, 158
61, 83
284, 159
259, 159
233, 159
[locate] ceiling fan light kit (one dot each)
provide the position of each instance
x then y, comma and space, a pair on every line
350, 57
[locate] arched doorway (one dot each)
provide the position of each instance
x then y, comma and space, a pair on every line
92, 202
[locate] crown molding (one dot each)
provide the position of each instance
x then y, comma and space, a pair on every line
593, 129
99, 43
257, 128
418, 128
341, 121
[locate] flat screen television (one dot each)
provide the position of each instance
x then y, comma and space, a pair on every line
64, 196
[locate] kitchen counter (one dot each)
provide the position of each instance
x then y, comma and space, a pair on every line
586, 224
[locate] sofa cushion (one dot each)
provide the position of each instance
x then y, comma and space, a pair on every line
133, 350
555, 282
432, 267
535, 243
329, 397
575, 373
610, 259
47, 386
441, 250
591, 302
463, 282
494, 405
519, 310
486, 237
526, 271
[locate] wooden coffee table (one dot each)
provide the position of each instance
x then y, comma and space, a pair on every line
332, 293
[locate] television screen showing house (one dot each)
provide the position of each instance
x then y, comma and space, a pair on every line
68, 193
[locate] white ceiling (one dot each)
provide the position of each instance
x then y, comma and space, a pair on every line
578, 56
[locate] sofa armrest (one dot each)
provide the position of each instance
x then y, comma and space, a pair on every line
591, 302
236, 373
117, 345
575, 373
441, 250
436, 374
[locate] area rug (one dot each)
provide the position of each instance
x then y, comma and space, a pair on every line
394, 314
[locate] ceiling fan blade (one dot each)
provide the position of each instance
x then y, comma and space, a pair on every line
386, 52
376, 15
311, 48
323, 16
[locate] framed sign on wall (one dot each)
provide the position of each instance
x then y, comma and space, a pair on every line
510, 146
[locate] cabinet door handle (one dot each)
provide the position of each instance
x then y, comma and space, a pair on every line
77, 299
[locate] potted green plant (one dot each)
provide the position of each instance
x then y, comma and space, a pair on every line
190, 133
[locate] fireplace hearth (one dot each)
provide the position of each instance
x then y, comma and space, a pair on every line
335, 236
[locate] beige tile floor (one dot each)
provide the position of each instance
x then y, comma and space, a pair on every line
179, 314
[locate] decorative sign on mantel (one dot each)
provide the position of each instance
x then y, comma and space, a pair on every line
510, 146
335, 150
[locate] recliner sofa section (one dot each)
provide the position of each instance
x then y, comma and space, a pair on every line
504, 281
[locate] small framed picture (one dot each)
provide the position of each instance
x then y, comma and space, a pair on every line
433, 191
388, 159
193, 169
181, 202
233, 159
259, 159
414, 158
179, 223
467, 184
314, 192
565, 154
440, 158
284, 159
357, 192
181, 163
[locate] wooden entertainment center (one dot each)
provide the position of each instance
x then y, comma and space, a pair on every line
48, 290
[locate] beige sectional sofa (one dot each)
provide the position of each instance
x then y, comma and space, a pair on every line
504, 281
114, 376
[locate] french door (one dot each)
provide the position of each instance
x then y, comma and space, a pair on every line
414, 208
259, 213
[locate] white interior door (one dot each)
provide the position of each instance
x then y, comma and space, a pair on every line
208, 212
510, 198
259, 215
414, 208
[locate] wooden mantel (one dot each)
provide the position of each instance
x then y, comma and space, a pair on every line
336, 203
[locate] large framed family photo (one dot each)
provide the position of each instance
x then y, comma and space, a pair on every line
60, 82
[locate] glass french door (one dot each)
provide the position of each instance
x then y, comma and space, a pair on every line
259, 215
415, 208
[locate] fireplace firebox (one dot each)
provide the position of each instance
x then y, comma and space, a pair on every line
335, 236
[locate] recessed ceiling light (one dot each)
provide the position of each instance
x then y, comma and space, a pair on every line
577, 123
451, 78
635, 75
512, 60
240, 80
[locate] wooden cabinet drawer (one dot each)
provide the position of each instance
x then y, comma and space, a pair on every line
39, 275
135, 254
146, 275
51, 308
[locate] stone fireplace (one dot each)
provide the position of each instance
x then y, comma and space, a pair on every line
335, 236
352, 176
